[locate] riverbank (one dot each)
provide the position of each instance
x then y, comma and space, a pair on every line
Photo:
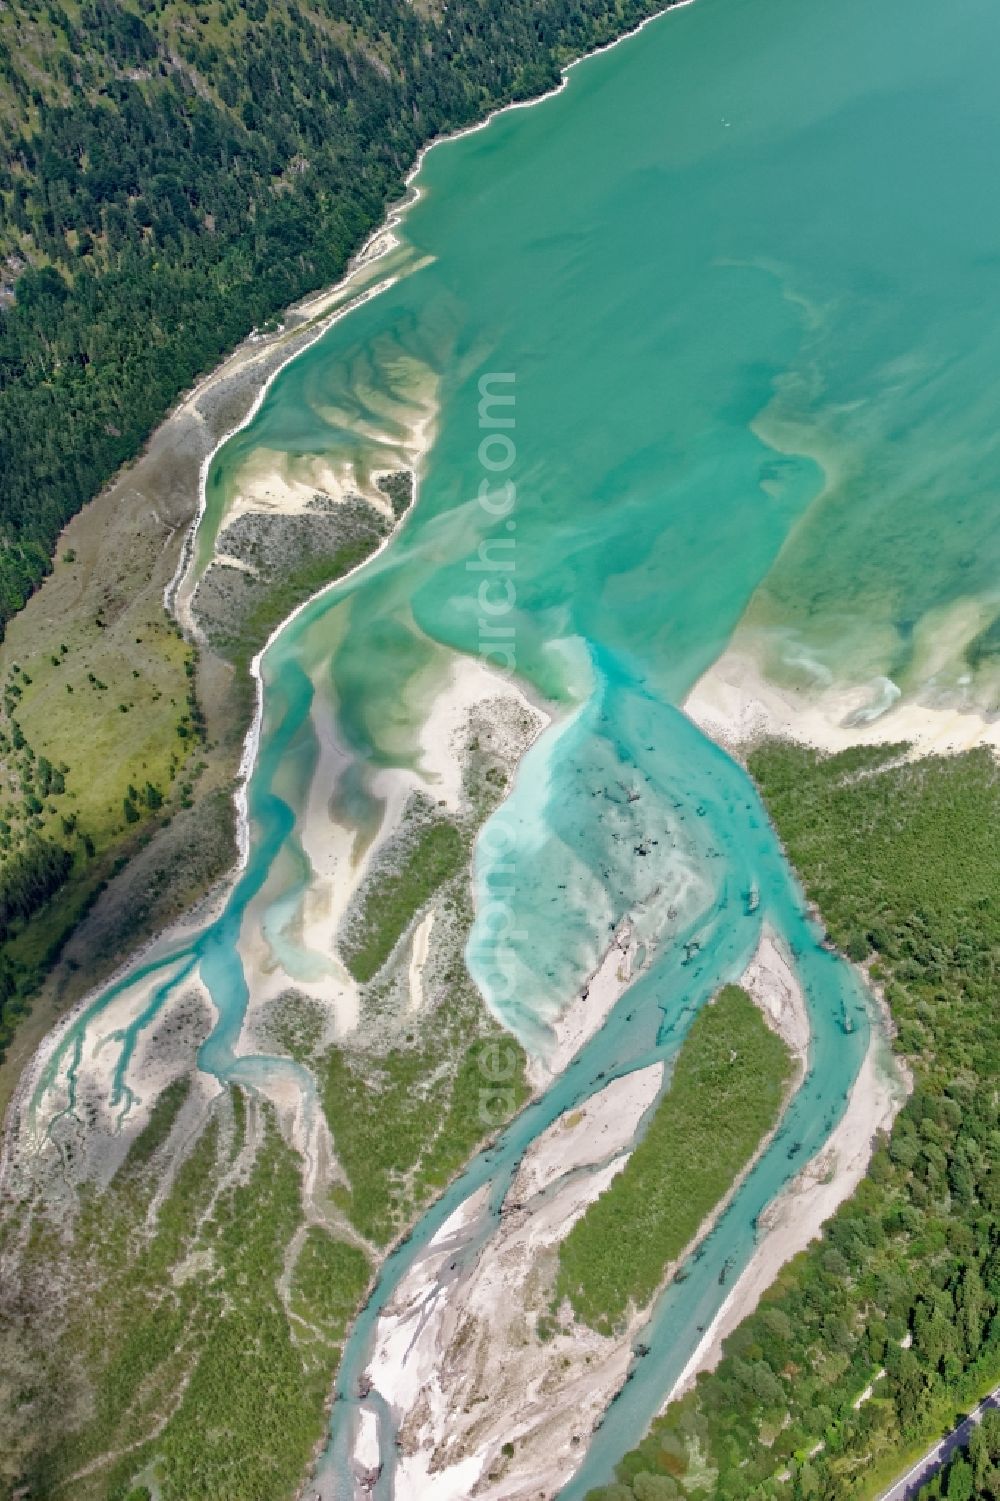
495, 1392
134, 543
103, 603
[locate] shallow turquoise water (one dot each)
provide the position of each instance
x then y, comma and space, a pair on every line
744, 272
723, 827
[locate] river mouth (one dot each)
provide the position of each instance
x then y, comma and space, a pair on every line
653, 396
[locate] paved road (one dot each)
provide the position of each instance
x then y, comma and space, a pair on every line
909, 1484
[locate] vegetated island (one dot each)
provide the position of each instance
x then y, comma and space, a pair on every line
726, 1091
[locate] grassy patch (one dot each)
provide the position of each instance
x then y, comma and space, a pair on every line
725, 1094
295, 1025
403, 1126
327, 1285
436, 852
98, 723
107, 749
405, 1115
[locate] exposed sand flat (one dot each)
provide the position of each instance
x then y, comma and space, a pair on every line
165, 1049
418, 958
471, 683
735, 705
93, 1066
771, 982
266, 357
401, 1362
442, 706
272, 485
227, 560
457, 1354
366, 1448
590, 1009
277, 483
83, 1127
601, 1126
798, 1214
290, 942
93, 1137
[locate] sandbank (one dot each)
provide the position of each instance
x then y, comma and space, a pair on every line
736, 706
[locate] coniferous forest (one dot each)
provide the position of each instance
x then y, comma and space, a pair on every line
174, 172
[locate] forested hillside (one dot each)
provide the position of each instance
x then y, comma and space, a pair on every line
174, 172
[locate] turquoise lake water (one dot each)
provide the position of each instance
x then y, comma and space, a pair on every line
744, 272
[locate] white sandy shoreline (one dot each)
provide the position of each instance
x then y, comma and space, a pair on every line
735, 705
379, 243
176, 601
